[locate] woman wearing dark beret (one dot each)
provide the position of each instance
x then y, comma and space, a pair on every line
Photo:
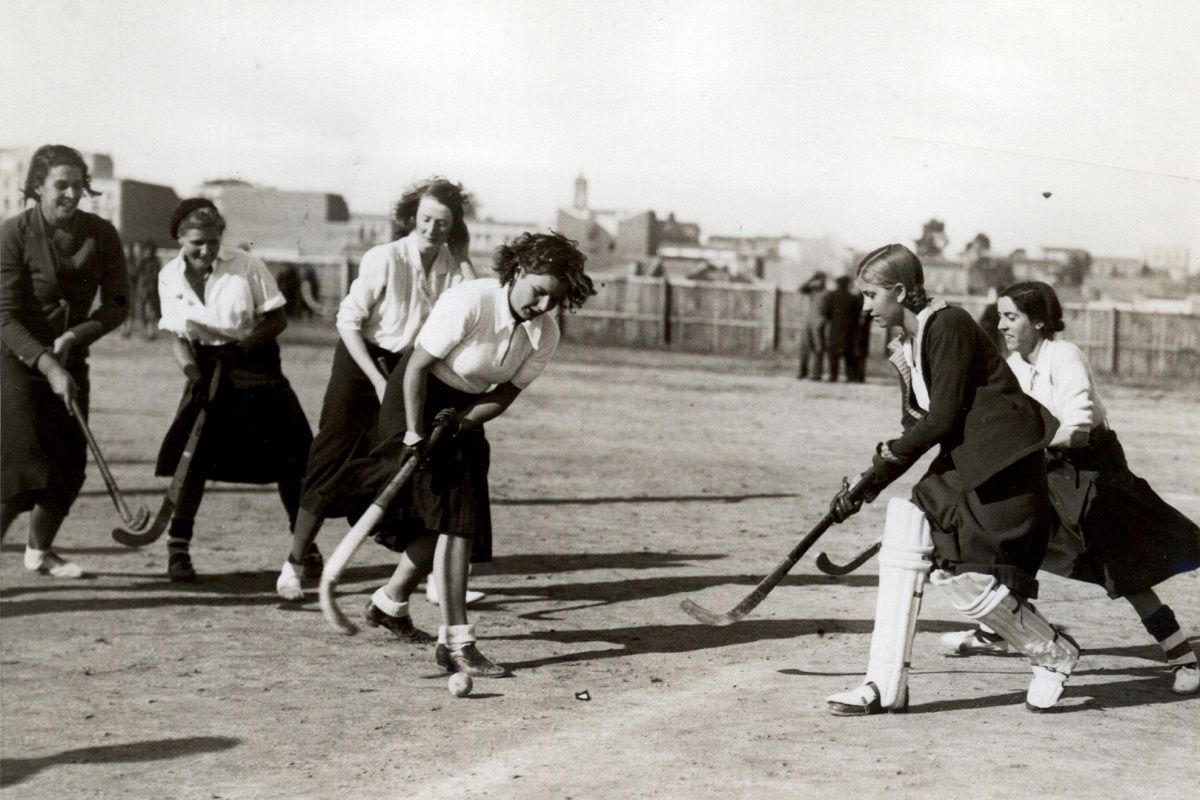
224, 308
56, 259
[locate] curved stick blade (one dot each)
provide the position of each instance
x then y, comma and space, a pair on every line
139, 520
702, 614
336, 565
829, 568
138, 538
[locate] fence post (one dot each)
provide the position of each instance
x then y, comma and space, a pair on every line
1114, 346
665, 328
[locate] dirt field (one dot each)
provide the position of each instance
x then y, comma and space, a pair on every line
624, 482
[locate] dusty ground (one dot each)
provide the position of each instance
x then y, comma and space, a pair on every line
624, 482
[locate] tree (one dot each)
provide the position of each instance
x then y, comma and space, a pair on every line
933, 239
1077, 268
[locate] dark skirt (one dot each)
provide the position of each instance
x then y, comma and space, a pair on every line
449, 496
347, 429
999, 528
1111, 528
43, 453
255, 430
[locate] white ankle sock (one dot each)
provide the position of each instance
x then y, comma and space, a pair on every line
458, 636
441, 634
33, 557
393, 608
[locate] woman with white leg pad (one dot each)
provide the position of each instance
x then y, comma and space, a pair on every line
983, 502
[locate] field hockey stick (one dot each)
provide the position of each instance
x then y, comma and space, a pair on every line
751, 601
132, 538
134, 522
353, 539
830, 568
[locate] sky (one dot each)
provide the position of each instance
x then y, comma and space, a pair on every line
859, 120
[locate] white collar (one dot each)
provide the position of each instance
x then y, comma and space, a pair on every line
412, 253
506, 320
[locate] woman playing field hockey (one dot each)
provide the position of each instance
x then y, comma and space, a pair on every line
1110, 528
56, 260
378, 321
225, 310
980, 517
484, 342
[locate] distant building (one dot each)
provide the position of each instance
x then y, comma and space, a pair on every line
945, 277
282, 222
1175, 261
796, 258
1109, 267
610, 238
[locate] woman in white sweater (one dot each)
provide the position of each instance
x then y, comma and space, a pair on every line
1111, 528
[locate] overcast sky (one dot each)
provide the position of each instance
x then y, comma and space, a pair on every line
860, 120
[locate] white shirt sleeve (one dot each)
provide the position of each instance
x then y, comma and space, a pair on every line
539, 359
170, 302
452, 317
263, 288
1072, 387
366, 291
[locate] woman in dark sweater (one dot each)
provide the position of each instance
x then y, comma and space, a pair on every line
56, 259
980, 516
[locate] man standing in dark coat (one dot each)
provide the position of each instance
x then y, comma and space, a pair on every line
845, 308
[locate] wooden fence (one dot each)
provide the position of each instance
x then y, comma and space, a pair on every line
740, 319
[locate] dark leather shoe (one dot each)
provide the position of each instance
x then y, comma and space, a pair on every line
313, 564
401, 627
468, 659
179, 568
442, 656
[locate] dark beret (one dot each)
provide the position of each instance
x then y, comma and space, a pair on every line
187, 207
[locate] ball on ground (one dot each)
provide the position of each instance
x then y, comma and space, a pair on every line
459, 684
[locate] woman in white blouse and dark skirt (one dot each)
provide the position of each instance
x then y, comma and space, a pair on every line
377, 322
1111, 528
224, 308
484, 342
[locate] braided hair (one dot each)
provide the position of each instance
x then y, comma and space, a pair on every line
892, 264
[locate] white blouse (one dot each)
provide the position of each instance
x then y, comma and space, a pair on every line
481, 344
912, 350
237, 293
392, 294
1059, 377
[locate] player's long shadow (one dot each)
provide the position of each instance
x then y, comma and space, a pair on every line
690, 637
1099, 697
545, 563
593, 594
242, 488
16, 770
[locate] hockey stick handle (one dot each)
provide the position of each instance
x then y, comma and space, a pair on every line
354, 538
109, 481
751, 601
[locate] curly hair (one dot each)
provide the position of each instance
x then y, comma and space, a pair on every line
46, 158
892, 264
1039, 302
547, 254
451, 195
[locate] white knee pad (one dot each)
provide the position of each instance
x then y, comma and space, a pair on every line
905, 559
983, 598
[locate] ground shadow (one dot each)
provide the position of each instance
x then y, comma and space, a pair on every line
246, 488
543, 563
16, 770
1091, 697
691, 637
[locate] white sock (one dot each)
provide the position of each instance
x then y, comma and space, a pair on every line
458, 636
441, 634
393, 608
33, 557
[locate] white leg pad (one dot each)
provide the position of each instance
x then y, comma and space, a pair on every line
983, 598
905, 559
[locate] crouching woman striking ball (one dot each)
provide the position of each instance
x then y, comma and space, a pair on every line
56, 260
484, 342
980, 517
1110, 527
224, 308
